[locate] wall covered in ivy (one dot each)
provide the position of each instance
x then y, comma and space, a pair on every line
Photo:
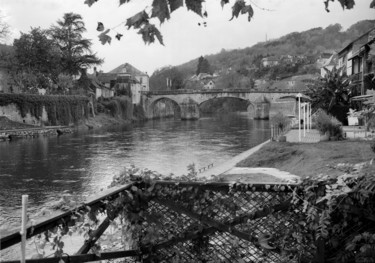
49, 110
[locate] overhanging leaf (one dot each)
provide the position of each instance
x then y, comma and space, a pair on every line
100, 27
124, 1
160, 10
105, 38
175, 4
224, 2
195, 6
137, 20
149, 32
372, 5
90, 2
248, 9
118, 36
348, 4
237, 8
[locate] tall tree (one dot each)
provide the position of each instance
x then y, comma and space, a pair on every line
36, 60
76, 50
203, 66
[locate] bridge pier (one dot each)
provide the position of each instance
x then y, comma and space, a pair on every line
189, 110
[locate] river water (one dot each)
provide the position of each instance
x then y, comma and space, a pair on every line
85, 162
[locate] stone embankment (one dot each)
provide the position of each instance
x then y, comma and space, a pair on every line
34, 132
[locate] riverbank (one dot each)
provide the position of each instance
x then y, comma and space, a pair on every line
328, 158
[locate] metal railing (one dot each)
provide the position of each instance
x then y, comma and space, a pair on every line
233, 224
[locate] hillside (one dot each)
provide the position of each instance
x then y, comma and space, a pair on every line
239, 68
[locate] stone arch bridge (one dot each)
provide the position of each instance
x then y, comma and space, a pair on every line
186, 103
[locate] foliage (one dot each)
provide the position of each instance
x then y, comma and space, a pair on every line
75, 50
332, 91
61, 110
341, 212
119, 107
328, 123
280, 120
203, 66
35, 55
158, 80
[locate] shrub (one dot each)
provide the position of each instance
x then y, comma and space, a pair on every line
279, 120
328, 123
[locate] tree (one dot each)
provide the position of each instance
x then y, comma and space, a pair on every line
36, 60
162, 10
203, 66
332, 92
76, 50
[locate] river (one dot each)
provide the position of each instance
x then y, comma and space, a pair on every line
85, 162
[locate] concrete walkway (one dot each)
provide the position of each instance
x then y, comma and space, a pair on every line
228, 171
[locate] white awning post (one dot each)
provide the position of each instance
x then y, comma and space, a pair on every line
299, 116
23, 227
310, 123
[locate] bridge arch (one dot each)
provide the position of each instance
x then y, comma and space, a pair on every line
247, 106
164, 107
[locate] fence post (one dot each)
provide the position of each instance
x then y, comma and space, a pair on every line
23, 227
271, 132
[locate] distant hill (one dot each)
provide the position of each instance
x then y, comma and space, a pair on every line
241, 67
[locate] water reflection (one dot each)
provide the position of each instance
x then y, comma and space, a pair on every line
86, 162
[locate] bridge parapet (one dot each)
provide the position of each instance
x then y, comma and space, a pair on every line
190, 91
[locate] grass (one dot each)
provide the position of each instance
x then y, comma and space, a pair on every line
310, 159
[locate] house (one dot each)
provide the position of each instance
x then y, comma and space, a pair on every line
127, 69
323, 59
210, 84
201, 81
358, 58
329, 65
270, 61
124, 80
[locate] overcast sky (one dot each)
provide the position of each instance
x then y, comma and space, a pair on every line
183, 38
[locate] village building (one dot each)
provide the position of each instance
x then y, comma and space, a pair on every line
358, 58
270, 61
123, 80
329, 65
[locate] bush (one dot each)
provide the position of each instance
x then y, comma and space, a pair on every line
328, 123
279, 120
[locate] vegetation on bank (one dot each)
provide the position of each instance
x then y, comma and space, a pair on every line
61, 110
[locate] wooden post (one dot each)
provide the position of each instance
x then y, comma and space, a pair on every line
271, 132
304, 119
23, 227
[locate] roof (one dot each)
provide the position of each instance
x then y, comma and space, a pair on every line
106, 77
361, 40
127, 68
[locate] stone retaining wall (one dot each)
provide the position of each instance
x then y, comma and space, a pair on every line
34, 132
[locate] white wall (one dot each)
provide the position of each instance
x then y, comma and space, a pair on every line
12, 112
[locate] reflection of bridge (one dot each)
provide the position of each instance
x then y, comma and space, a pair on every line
185, 103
